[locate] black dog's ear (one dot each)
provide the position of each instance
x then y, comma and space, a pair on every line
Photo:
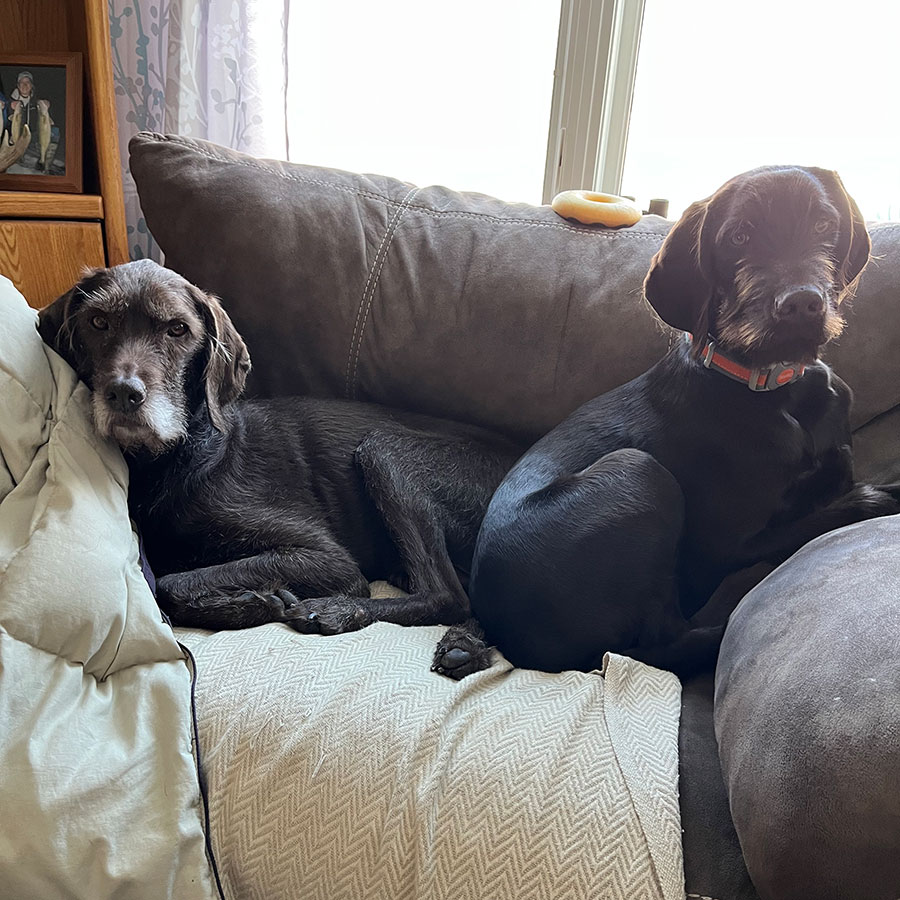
56, 327
227, 359
854, 245
676, 286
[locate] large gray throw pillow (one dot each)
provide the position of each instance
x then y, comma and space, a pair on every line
808, 719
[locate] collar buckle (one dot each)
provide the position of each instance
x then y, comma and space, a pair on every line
775, 376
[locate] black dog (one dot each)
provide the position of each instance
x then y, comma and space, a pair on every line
628, 516
272, 511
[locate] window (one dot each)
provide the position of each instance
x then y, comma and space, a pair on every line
651, 98
454, 94
722, 88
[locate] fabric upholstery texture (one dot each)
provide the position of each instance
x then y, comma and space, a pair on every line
713, 865
99, 793
808, 719
340, 768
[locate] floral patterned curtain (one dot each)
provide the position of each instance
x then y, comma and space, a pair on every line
211, 69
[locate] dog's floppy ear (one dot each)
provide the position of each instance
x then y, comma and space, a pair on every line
676, 286
227, 359
854, 245
56, 327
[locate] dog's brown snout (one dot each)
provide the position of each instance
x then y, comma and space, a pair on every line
126, 394
804, 304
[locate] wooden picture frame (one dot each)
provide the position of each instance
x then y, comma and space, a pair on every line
51, 159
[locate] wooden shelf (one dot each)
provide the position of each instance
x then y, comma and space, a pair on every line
47, 239
33, 205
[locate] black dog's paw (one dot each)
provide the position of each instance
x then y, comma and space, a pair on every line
175, 600
326, 615
873, 501
459, 653
184, 604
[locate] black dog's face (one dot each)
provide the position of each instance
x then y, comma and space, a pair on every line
763, 265
777, 294
152, 348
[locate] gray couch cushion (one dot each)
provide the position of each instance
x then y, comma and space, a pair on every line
713, 865
808, 719
449, 303
364, 286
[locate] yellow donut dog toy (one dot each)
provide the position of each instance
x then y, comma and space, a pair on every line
593, 208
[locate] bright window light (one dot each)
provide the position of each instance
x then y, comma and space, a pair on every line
723, 87
432, 93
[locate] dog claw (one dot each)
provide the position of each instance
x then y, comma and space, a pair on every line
287, 598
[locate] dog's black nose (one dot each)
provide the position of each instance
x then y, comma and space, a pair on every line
800, 305
126, 394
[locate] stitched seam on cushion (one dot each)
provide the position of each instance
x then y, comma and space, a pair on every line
436, 213
531, 223
392, 229
365, 302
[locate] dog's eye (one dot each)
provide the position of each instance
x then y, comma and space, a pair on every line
822, 226
178, 329
739, 238
100, 323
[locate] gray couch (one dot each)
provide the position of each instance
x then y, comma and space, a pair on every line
506, 315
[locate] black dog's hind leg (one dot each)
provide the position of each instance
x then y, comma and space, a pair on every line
606, 538
432, 493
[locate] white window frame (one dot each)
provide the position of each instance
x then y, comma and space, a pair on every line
596, 62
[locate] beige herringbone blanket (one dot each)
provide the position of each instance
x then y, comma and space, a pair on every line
340, 768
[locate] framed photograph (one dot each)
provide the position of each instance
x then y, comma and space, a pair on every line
40, 122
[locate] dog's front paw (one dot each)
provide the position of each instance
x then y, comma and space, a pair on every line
176, 597
326, 615
459, 653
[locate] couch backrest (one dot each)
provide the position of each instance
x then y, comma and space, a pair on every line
450, 303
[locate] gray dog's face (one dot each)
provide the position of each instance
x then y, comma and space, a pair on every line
153, 349
763, 264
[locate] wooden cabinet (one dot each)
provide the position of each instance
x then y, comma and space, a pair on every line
44, 259
47, 239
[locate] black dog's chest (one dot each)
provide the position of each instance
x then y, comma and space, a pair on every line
731, 484
758, 464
